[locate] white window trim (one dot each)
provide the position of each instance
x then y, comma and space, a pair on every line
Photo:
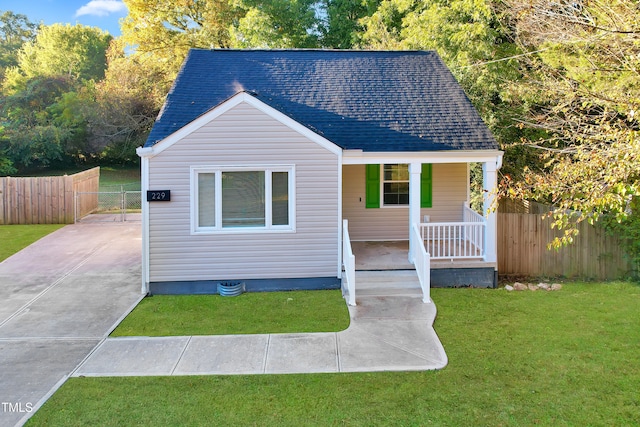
218, 229
383, 205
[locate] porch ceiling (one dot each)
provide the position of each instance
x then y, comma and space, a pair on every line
359, 157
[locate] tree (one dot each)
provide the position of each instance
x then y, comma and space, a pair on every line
471, 36
161, 31
47, 95
29, 135
582, 92
78, 52
277, 24
15, 30
126, 104
343, 21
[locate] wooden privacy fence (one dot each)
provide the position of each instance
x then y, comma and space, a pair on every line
522, 250
46, 200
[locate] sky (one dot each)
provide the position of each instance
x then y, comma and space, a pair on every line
104, 14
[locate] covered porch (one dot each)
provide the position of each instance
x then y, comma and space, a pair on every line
443, 241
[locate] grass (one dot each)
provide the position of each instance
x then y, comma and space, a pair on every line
14, 238
112, 178
568, 357
249, 313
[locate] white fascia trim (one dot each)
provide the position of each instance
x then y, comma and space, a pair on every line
359, 157
227, 105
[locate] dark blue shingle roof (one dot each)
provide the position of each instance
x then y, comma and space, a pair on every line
368, 100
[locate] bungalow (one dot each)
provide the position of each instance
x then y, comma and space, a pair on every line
265, 165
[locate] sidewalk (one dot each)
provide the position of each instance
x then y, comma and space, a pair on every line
385, 334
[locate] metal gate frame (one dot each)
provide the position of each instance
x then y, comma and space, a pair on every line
112, 206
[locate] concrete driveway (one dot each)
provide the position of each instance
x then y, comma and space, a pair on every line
60, 298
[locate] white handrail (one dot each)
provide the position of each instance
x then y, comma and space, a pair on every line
454, 240
469, 215
422, 263
349, 264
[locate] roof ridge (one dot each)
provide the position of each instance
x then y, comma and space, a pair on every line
250, 50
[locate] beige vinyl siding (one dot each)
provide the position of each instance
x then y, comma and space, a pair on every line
245, 136
392, 223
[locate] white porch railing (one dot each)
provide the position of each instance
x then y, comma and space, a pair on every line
349, 265
421, 262
456, 240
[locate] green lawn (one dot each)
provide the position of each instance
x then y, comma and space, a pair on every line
17, 237
249, 313
112, 178
564, 358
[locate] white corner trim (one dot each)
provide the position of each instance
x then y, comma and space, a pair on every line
144, 151
227, 105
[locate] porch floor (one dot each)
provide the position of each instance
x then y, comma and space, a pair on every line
394, 255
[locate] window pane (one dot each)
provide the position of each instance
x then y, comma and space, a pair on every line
280, 198
243, 199
396, 172
206, 199
396, 193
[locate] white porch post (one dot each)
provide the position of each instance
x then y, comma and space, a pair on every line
415, 170
489, 186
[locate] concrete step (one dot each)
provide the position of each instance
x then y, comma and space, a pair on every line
387, 283
391, 292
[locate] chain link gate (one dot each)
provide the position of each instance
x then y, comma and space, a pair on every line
108, 206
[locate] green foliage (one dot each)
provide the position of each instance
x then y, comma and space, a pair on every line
627, 228
162, 32
30, 136
126, 104
580, 91
78, 52
15, 30
47, 97
277, 24
343, 23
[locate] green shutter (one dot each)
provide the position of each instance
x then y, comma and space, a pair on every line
426, 187
372, 191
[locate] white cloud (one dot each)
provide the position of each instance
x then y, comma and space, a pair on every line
101, 8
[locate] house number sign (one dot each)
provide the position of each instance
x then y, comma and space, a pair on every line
159, 196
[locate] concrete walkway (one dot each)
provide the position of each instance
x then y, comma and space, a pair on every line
60, 297
64, 294
385, 334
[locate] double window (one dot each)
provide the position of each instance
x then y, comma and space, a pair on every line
389, 184
235, 199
